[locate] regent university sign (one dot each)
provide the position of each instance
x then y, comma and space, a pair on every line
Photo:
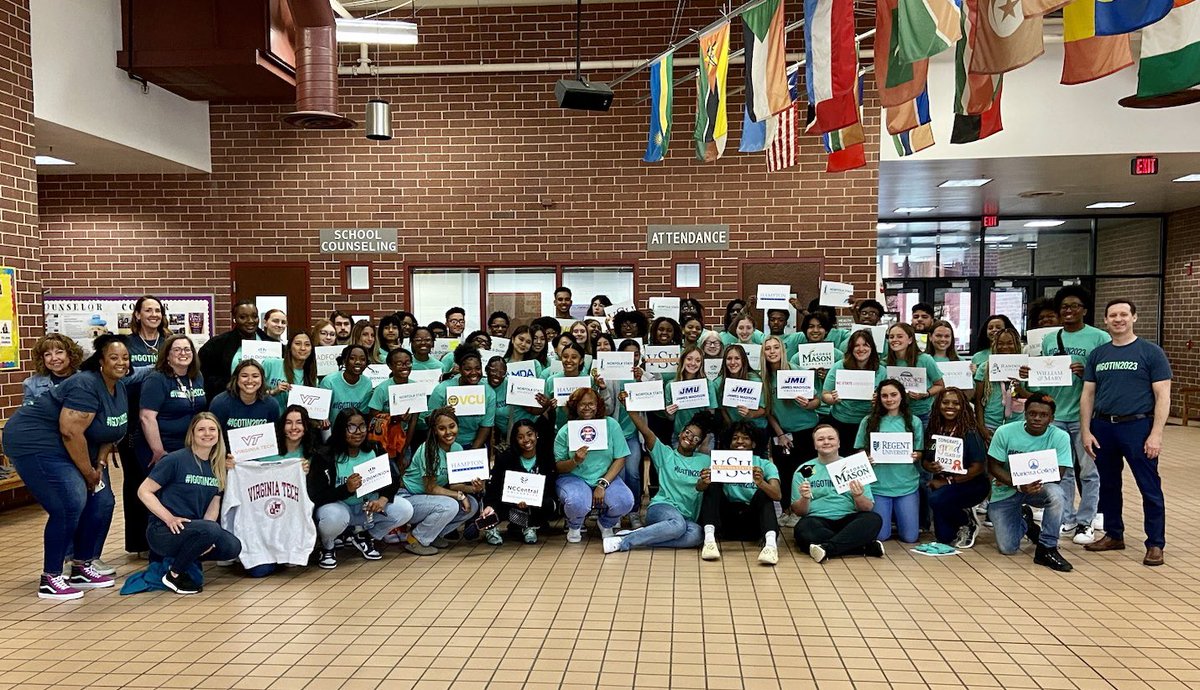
358, 240
670, 238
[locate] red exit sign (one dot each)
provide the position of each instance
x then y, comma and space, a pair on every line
1144, 165
991, 221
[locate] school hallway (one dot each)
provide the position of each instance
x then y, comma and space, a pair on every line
558, 615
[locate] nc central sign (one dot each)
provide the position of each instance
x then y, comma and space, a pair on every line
669, 238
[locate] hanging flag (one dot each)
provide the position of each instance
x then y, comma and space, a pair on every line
846, 148
783, 129
765, 55
831, 63
662, 93
1170, 59
712, 125
976, 96
754, 134
1116, 17
926, 28
1086, 56
897, 81
1004, 38
914, 140
911, 115
1041, 8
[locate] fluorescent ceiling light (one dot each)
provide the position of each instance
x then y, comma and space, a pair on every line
915, 209
1044, 223
993, 239
976, 182
1194, 177
51, 160
376, 31
1110, 204
885, 226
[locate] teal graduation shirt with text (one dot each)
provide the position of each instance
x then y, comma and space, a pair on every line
826, 501
893, 479
677, 477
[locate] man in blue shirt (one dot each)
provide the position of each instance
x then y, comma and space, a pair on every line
1124, 406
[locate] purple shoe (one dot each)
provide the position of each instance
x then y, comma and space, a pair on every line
55, 587
86, 577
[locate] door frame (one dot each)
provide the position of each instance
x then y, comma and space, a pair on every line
307, 266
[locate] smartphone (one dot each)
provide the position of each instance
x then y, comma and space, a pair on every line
487, 521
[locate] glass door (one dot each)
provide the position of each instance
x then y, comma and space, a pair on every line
900, 296
953, 301
1010, 298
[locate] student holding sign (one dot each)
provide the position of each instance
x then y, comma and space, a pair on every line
741, 511
817, 329
297, 368
496, 371
690, 370
956, 455
519, 349
831, 523
245, 403
474, 428
183, 495
351, 389
334, 486
219, 355
572, 358
791, 418
896, 491
524, 455
735, 369
631, 472
590, 476
847, 413
439, 506
903, 352
1040, 446
999, 402
672, 513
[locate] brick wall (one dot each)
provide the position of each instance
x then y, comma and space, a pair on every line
18, 188
464, 179
1181, 330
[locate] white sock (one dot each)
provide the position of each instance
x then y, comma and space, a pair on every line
710, 534
770, 539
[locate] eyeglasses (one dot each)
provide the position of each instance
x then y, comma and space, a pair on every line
180, 350
356, 428
1070, 306
689, 435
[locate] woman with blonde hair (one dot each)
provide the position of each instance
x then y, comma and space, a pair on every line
55, 357
183, 494
323, 334
364, 333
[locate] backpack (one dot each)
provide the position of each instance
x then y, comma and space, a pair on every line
388, 432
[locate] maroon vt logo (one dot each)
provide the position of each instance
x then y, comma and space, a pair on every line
309, 399
252, 439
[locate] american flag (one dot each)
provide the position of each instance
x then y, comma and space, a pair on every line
783, 130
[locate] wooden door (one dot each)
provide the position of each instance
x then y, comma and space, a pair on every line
275, 284
804, 275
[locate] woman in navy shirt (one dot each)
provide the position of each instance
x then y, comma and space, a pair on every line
60, 447
245, 402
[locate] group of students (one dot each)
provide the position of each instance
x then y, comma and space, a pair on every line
166, 410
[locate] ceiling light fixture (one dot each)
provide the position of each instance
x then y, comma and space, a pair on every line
885, 226
1110, 204
1044, 223
915, 209
976, 182
376, 31
1194, 177
51, 160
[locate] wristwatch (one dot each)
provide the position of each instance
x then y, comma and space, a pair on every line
602, 483
461, 496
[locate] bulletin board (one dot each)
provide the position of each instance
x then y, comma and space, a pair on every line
10, 340
83, 318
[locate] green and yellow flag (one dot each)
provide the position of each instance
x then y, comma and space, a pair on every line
712, 126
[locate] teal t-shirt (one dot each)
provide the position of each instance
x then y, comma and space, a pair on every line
596, 464
1078, 345
1013, 438
682, 417
275, 376
992, 400
849, 411
298, 453
346, 395
839, 337
414, 476
744, 491
677, 476
431, 363
500, 423
788, 413
380, 401
345, 467
468, 425
826, 501
933, 374
715, 395
560, 411
979, 359
894, 479
794, 361
728, 338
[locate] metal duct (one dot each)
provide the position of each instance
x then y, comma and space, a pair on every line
316, 67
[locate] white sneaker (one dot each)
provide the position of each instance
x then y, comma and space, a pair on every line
710, 551
574, 536
612, 544
607, 532
1098, 521
103, 568
769, 555
1084, 534
1067, 528
817, 552
788, 520
635, 521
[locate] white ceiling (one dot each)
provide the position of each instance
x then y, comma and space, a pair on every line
95, 155
1082, 179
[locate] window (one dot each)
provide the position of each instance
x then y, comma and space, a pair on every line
434, 290
614, 282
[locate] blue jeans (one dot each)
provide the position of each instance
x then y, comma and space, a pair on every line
436, 516
1009, 524
665, 528
334, 518
631, 474
1089, 480
1121, 443
576, 498
950, 505
906, 509
79, 519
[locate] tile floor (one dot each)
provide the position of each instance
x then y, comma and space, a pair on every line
554, 615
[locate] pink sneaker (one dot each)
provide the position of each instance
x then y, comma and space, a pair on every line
86, 577
55, 587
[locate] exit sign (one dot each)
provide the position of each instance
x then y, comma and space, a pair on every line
1144, 165
991, 221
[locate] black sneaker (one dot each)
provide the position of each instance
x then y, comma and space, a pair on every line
1052, 559
328, 559
874, 549
366, 546
181, 583
1032, 531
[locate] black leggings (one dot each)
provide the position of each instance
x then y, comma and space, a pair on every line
951, 503
737, 521
802, 451
193, 543
849, 534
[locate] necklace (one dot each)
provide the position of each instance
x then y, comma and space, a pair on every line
152, 346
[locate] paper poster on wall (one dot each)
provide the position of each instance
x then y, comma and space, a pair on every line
10, 340
87, 317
